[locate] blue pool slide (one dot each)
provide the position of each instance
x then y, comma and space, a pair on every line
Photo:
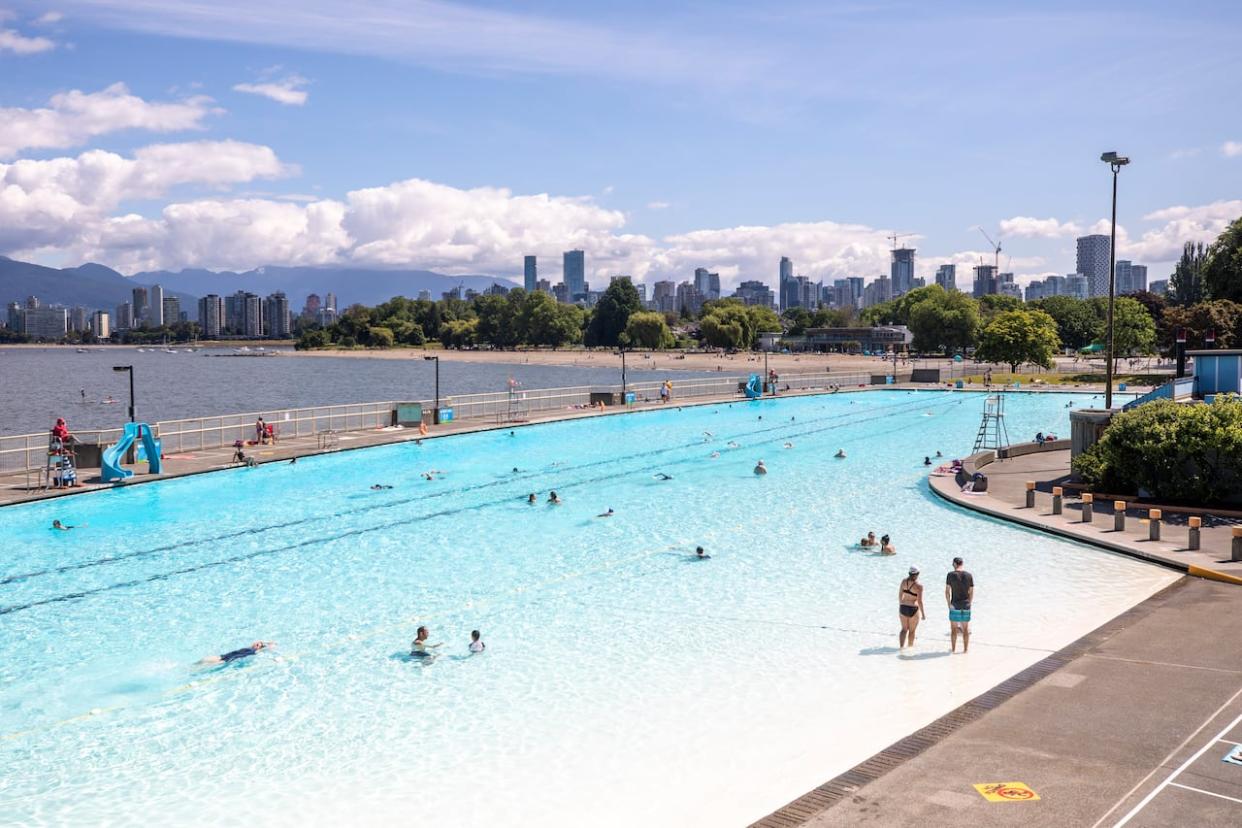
754, 387
111, 469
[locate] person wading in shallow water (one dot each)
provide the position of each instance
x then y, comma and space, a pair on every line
910, 605
959, 593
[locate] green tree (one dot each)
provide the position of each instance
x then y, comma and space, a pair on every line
1078, 324
458, 333
897, 311
1019, 336
311, 338
944, 320
612, 312
721, 330
1224, 318
762, 320
380, 337
648, 330
1134, 331
796, 320
832, 318
497, 320
1222, 270
1186, 283
994, 303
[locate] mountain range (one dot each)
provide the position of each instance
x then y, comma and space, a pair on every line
98, 287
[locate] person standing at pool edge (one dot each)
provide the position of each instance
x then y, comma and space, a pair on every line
959, 592
910, 604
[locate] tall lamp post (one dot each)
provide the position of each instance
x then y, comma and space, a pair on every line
1116, 162
436, 360
130, 369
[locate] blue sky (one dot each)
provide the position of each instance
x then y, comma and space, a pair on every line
664, 136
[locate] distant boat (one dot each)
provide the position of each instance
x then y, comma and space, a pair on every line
83, 351
142, 350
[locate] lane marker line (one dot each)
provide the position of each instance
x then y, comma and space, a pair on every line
1209, 793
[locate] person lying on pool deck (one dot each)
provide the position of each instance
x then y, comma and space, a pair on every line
244, 652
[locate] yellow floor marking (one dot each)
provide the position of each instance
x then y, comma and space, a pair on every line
1006, 792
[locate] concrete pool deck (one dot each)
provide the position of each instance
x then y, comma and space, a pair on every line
1127, 726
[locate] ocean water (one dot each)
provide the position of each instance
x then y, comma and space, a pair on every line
624, 683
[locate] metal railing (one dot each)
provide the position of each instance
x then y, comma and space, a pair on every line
28, 452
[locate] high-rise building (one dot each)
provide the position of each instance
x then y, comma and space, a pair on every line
786, 285
155, 308
1123, 276
985, 281
45, 323
575, 274
753, 292
79, 319
1077, 285
423, 296
14, 317
329, 302
1138, 278
172, 310
211, 315
101, 325
1093, 253
531, 273
279, 323
946, 276
1160, 287
252, 315
124, 316
33, 303
706, 283
664, 296
881, 290
561, 291
544, 286
902, 270
689, 298
140, 307
311, 309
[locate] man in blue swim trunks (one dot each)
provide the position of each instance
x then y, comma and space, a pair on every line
959, 592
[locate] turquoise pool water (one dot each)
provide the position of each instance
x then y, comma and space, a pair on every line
623, 682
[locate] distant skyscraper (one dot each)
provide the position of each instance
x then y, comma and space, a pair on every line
902, 270
278, 324
531, 282
172, 310
707, 284
544, 286
664, 296
124, 316
140, 306
211, 315
1138, 278
881, 290
32, 303
946, 276
1093, 254
424, 296
155, 307
1159, 287
14, 317
985, 281
1077, 285
755, 293
101, 325
785, 284
575, 274
689, 298
311, 309
329, 302
79, 319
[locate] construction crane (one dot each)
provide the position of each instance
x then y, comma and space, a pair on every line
896, 236
995, 247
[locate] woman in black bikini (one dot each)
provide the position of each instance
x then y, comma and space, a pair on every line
910, 603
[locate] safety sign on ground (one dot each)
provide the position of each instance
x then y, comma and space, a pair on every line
1006, 792
1234, 757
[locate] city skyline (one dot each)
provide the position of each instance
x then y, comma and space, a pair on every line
169, 139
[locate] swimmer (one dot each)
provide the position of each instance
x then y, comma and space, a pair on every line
788, 445
662, 476
63, 527
840, 455
235, 655
938, 454
869, 540
512, 433
476, 643
708, 435
714, 455
554, 499
886, 546
83, 392
379, 487
609, 513
419, 647
531, 499
760, 468
791, 419
293, 460
733, 444
700, 554
926, 461
516, 470
761, 416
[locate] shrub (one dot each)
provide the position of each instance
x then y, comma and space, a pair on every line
1170, 451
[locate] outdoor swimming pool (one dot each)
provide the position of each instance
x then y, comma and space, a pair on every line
623, 684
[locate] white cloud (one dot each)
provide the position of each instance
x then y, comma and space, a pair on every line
288, 90
49, 18
1231, 149
73, 117
1028, 227
658, 205
61, 202
19, 44
1181, 224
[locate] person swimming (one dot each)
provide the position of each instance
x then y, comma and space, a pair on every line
869, 540
938, 454
733, 444
63, 527
236, 655
840, 455
377, 487
531, 499
760, 468
476, 643
886, 546
293, 461
700, 554
516, 470
714, 455
554, 499
609, 513
788, 445
927, 461
662, 476
419, 648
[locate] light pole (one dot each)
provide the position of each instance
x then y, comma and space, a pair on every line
130, 369
436, 359
1116, 162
